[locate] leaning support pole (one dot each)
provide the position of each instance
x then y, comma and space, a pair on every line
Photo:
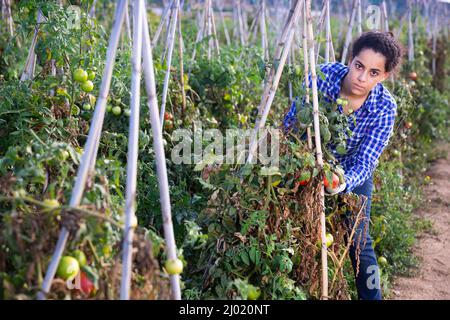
306, 66
96, 125
410, 34
158, 147
348, 37
360, 16
162, 23
28, 71
328, 31
171, 40
180, 54
132, 157
319, 159
272, 84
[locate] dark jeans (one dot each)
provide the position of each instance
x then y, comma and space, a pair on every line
368, 277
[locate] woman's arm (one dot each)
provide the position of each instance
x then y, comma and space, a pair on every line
366, 159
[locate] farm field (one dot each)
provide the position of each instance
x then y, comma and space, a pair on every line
149, 150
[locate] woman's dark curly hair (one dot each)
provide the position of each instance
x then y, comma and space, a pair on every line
381, 42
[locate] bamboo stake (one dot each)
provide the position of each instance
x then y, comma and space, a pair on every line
170, 23
328, 31
158, 147
30, 64
222, 19
272, 84
213, 23
435, 31
385, 16
312, 63
209, 34
240, 22
306, 66
162, 23
410, 34
282, 38
96, 124
169, 59
348, 37
360, 17
197, 40
264, 39
132, 157
180, 53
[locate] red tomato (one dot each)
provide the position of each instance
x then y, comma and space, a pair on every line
87, 286
335, 181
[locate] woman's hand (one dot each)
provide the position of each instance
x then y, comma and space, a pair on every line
331, 192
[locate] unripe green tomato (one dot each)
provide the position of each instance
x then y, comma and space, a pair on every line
87, 86
81, 257
79, 75
116, 110
91, 75
68, 268
174, 266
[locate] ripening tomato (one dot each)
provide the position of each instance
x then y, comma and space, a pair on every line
168, 116
413, 76
87, 286
305, 177
334, 183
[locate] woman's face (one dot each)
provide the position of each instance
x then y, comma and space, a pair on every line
366, 70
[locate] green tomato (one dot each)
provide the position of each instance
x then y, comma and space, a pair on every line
91, 75
382, 261
79, 75
127, 112
116, 110
63, 155
108, 108
253, 292
87, 86
329, 239
81, 257
174, 266
86, 106
68, 268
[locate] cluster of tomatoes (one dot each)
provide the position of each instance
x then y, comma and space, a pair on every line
168, 120
71, 268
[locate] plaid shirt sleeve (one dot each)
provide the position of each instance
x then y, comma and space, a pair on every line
366, 159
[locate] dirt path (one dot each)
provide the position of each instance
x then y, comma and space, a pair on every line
432, 281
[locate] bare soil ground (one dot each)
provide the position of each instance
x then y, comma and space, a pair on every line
432, 280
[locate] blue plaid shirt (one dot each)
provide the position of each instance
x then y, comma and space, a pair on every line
374, 125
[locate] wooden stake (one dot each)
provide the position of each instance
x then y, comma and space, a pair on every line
348, 37
319, 159
306, 67
273, 81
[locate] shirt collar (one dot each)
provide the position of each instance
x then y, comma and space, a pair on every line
371, 102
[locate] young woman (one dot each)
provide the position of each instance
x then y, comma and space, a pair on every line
374, 56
